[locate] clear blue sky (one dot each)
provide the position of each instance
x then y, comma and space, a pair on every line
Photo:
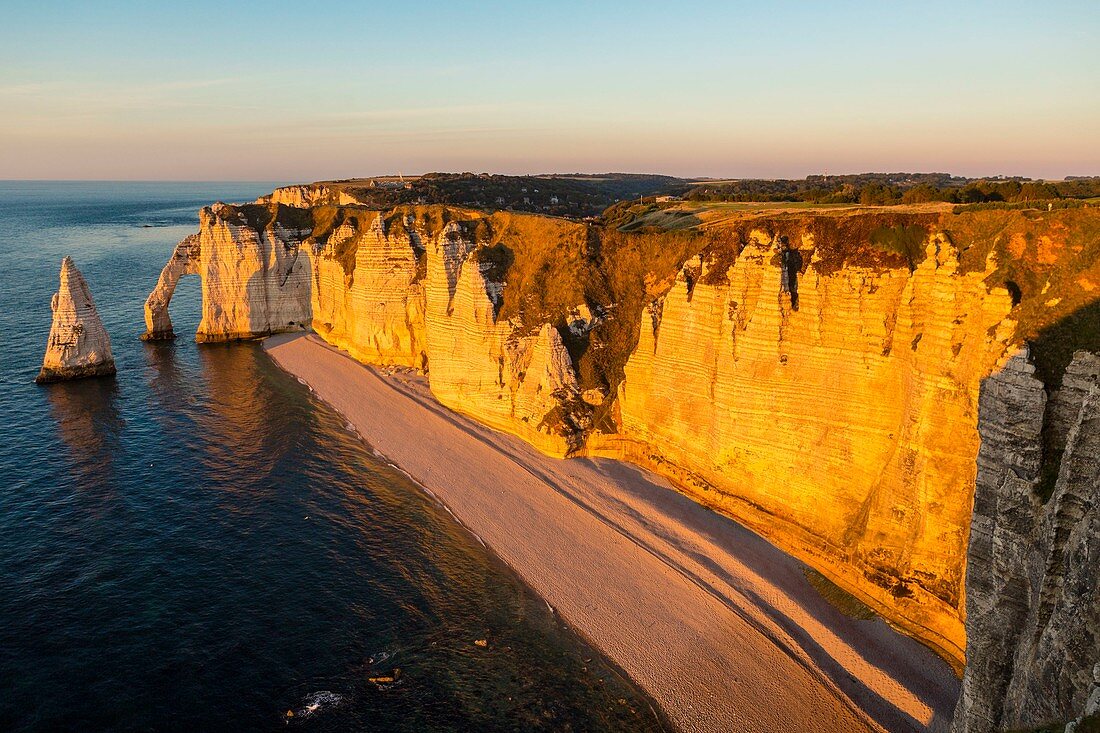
309, 90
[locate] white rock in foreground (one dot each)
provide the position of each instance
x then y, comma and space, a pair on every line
79, 345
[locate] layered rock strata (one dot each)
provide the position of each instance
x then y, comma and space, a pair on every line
78, 345
368, 292
308, 195
866, 395
508, 377
846, 430
1033, 617
389, 290
255, 279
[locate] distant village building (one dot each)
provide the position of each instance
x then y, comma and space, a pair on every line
500, 201
666, 199
526, 200
553, 199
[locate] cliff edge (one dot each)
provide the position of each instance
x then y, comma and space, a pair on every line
815, 375
1033, 617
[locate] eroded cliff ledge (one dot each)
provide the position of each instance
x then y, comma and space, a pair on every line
847, 431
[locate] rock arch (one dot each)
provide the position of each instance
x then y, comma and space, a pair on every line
184, 261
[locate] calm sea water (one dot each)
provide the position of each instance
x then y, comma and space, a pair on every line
198, 544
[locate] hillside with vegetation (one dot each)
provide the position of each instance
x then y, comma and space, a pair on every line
883, 189
570, 195
613, 196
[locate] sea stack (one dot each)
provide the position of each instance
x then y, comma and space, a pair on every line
79, 345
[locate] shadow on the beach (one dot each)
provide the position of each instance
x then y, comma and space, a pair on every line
898, 657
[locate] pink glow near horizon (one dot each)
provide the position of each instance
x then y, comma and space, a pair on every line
720, 90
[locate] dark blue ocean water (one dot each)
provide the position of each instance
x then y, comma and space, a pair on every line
198, 544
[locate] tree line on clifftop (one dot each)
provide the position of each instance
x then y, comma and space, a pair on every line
883, 189
580, 195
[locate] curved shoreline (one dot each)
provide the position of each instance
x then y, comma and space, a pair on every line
718, 626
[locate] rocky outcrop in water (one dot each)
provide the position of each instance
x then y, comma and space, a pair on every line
78, 345
847, 430
255, 281
184, 261
389, 290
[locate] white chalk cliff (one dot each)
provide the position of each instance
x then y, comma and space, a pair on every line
846, 430
78, 345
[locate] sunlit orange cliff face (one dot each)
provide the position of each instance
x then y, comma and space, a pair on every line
903, 399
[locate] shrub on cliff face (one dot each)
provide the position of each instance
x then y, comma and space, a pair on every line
908, 240
556, 266
495, 261
259, 217
1050, 258
879, 240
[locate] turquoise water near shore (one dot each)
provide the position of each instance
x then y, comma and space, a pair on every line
199, 544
